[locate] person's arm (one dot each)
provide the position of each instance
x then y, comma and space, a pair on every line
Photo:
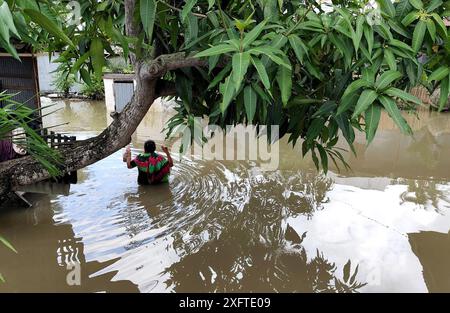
127, 157
169, 157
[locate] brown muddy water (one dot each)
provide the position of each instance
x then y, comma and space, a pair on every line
228, 226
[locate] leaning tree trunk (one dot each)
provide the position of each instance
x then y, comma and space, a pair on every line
149, 86
26, 170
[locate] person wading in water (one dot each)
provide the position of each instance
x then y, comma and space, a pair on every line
153, 168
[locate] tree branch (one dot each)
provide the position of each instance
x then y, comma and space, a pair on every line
168, 62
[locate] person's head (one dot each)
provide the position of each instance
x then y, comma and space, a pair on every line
149, 146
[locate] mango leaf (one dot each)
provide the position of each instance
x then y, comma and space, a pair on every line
440, 23
348, 264
187, 9
386, 78
284, 79
250, 100
250, 37
219, 77
391, 107
227, 91
8, 46
298, 46
390, 59
372, 118
219, 49
410, 17
368, 35
97, 55
261, 72
49, 26
418, 35
365, 100
418, 4
323, 157
387, 7
439, 74
148, 14
7, 19
431, 29
85, 76
7, 244
355, 86
240, 62
76, 66
269, 52
403, 95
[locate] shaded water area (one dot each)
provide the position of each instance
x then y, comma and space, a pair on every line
228, 226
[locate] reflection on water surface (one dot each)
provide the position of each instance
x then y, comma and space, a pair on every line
228, 226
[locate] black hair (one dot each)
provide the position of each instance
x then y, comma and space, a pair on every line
149, 146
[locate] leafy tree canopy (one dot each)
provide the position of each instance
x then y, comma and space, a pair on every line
317, 70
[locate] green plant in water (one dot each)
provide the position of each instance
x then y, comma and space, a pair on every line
9, 246
95, 90
16, 115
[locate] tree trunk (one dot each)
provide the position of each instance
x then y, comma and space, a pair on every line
26, 170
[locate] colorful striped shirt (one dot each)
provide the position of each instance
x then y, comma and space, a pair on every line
153, 168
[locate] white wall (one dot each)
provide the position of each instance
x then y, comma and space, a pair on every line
45, 69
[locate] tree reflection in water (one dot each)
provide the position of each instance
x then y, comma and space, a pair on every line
259, 251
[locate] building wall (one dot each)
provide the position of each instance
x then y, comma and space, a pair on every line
46, 77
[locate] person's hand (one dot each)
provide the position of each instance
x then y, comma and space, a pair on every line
165, 149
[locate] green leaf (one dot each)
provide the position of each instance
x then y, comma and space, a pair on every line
393, 111
240, 62
284, 79
2, 279
400, 44
187, 9
417, 4
269, 52
355, 86
440, 23
434, 4
219, 77
219, 49
49, 26
76, 66
347, 265
390, 59
323, 157
148, 14
443, 98
298, 46
250, 37
250, 100
8, 47
403, 95
365, 100
357, 36
386, 78
410, 17
7, 19
387, 7
418, 34
85, 76
439, 74
261, 72
7, 244
372, 118
210, 4
227, 91
431, 29
368, 35
98, 56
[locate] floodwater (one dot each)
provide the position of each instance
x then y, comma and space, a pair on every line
229, 226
